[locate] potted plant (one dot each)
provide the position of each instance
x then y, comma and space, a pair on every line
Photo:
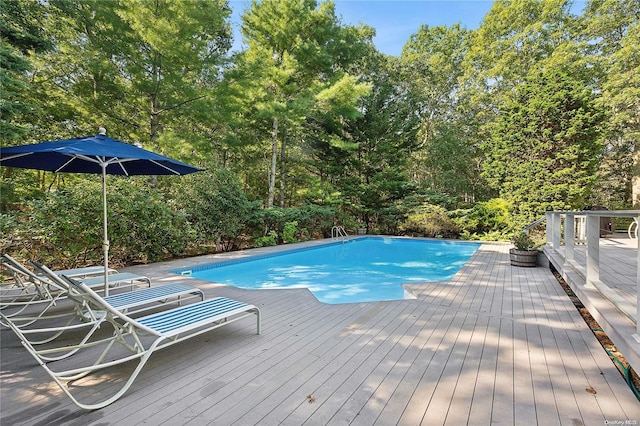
524, 253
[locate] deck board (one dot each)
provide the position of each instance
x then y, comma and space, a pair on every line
496, 344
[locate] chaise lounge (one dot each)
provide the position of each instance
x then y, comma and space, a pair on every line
139, 337
44, 289
42, 329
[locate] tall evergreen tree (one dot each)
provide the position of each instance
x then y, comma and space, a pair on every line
21, 35
611, 33
297, 60
21, 38
370, 171
513, 38
545, 147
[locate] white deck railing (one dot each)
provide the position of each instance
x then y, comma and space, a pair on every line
570, 228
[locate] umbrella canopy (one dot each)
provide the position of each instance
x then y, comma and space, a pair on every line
98, 154
92, 154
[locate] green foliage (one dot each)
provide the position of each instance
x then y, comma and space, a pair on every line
427, 197
66, 228
522, 241
289, 232
21, 34
311, 117
371, 174
447, 161
269, 240
215, 206
545, 146
293, 78
134, 67
489, 218
143, 226
612, 34
384, 220
431, 70
430, 221
18, 186
514, 38
310, 221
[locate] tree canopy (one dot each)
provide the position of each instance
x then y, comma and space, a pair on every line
536, 109
544, 149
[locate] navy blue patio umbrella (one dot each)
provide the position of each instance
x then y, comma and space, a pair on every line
98, 154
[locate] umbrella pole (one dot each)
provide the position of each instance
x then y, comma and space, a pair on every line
105, 242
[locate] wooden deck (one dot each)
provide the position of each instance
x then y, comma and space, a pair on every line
613, 302
496, 345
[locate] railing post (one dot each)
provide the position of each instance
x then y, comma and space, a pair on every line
549, 228
582, 234
569, 237
593, 250
637, 336
555, 230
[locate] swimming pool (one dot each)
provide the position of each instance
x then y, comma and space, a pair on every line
358, 270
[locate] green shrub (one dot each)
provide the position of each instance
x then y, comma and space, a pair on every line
427, 197
311, 221
387, 221
485, 220
289, 232
144, 226
216, 207
267, 241
522, 241
430, 221
65, 229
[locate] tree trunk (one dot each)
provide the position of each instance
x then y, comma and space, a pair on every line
274, 157
282, 166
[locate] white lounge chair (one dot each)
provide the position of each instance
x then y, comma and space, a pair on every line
27, 291
81, 316
27, 286
86, 272
22, 287
141, 337
83, 272
116, 280
39, 290
130, 302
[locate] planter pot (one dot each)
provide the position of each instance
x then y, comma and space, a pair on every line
526, 258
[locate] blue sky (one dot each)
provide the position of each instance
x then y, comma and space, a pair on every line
394, 21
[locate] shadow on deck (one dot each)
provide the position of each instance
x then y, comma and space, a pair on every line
496, 344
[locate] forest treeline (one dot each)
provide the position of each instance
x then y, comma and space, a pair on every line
466, 134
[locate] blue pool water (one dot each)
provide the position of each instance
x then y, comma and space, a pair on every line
360, 270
